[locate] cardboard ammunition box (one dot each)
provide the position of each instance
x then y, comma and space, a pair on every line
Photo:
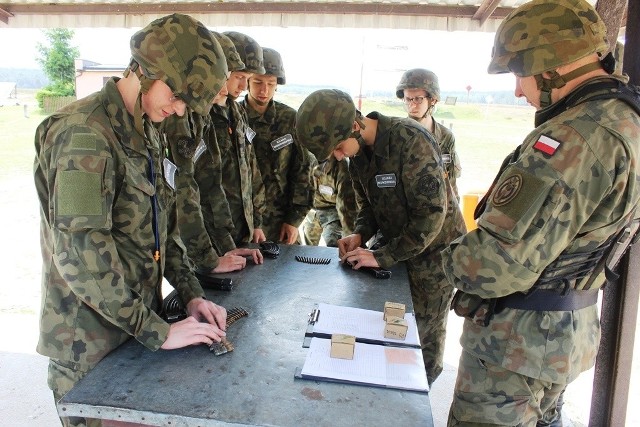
342, 346
393, 309
395, 328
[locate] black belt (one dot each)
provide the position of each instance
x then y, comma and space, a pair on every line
548, 300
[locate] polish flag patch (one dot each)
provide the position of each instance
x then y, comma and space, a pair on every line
546, 145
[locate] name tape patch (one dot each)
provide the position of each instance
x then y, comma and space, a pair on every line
386, 180
283, 141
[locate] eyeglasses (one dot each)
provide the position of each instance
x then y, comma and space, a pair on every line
416, 99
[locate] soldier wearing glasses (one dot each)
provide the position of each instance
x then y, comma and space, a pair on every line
420, 92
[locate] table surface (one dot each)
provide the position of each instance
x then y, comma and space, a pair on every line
254, 384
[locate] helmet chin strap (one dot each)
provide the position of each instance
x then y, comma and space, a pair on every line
356, 133
145, 85
557, 81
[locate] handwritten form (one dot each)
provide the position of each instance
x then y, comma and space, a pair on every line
361, 323
393, 367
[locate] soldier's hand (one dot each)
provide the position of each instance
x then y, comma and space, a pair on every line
288, 234
348, 244
229, 263
360, 257
206, 311
255, 254
258, 235
190, 332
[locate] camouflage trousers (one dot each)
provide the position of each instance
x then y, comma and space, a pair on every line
489, 395
323, 223
431, 295
61, 378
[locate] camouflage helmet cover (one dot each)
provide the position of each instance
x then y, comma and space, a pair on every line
419, 78
234, 62
542, 35
324, 120
250, 52
182, 53
273, 64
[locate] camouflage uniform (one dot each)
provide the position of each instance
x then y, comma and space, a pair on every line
109, 232
186, 137
241, 177
101, 284
447, 143
420, 78
570, 186
334, 205
417, 213
285, 170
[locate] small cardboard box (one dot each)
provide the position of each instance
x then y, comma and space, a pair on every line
395, 328
393, 309
342, 346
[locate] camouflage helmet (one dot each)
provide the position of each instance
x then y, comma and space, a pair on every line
249, 50
273, 64
234, 62
182, 53
419, 78
542, 35
324, 120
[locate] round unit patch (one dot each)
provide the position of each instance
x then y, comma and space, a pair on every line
186, 147
507, 191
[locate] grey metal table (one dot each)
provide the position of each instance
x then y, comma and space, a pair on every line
254, 384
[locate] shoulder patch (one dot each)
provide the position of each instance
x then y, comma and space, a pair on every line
547, 145
186, 147
507, 191
429, 186
83, 141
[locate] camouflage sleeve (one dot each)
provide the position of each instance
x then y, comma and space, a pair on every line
182, 148
83, 187
537, 208
215, 209
345, 198
302, 188
366, 224
423, 179
258, 191
455, 169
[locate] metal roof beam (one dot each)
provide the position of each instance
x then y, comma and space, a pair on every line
486, 8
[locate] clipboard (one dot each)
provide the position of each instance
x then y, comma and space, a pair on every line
366, 325
373, 365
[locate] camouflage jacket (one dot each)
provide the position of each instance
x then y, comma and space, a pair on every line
284, 164
100, 283
447, 143
186, 137
241, 179
334, 190
402, 190
574, 183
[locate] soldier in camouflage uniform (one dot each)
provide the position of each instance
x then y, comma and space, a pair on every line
528, 277
420, 91
285, 166
186, 136
401, 189
108, 222
334, 204
233, 137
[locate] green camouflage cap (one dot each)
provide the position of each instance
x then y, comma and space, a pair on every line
249, 50
182, 53
419, 78
324, 120
542, 35
234, 62
273, 64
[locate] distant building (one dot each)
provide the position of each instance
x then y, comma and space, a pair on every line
91, 76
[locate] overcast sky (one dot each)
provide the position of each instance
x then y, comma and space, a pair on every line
323, 56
